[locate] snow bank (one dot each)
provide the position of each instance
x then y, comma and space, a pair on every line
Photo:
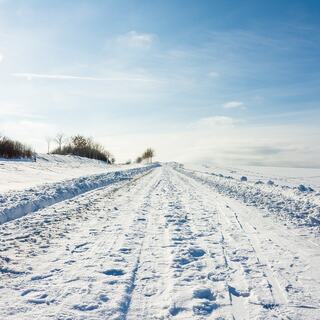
19, 175
301, 205
292, 177
16, 204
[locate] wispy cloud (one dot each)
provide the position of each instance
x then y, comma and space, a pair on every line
213, 74
1, 57
8, 112
215, 121
136, 39
17, 129
30, 76
233, 105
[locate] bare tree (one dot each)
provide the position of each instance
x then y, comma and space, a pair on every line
82, 146
151, 154
14, 149
48, 140
59, 139
148, 155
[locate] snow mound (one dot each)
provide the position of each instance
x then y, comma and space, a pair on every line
298, 204
20, 175
16, 204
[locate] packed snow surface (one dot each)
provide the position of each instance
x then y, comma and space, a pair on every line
172, 242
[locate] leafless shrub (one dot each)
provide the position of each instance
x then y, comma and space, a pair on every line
85, 147
10, 149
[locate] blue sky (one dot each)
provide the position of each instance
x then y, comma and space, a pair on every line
235, 82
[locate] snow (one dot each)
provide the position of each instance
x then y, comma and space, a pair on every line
171, 242
299, 204
19, 175
280, 175
16, 204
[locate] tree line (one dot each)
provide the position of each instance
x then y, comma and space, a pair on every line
77, 145
81, 146
14, 149
147, 156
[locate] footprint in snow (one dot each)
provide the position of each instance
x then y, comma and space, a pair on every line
82, 247
182, 261
270, 306
103, 297
204, 308
204, 293
176, 310
10, 271
239, 258
238, 293
27, 291
85, 307
125, 250
217, 276
196, 252
40, 298
40, 277
113, 272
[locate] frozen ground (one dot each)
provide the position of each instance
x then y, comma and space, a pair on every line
168, 243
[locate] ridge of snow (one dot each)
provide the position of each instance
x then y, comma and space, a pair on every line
19, 175
16, 204
303, 208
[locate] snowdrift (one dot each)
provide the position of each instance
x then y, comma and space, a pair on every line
299, 204
16, 204
19, 175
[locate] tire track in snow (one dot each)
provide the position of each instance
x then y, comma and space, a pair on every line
239, 255
282, 305
223, 269
150, 293
163, 247
92, 215
194, 295
109, 251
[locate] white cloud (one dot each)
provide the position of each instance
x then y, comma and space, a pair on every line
135, 39
30, 76
1, 57
226, 145
12, 111
213, 74
31, 132
216, 121
233, 105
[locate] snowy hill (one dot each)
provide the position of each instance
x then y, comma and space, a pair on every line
19, 175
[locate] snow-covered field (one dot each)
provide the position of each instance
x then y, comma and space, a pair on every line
164, 242
292, 177
19, 175
17, 203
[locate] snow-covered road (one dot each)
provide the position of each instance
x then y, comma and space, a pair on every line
162, 246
